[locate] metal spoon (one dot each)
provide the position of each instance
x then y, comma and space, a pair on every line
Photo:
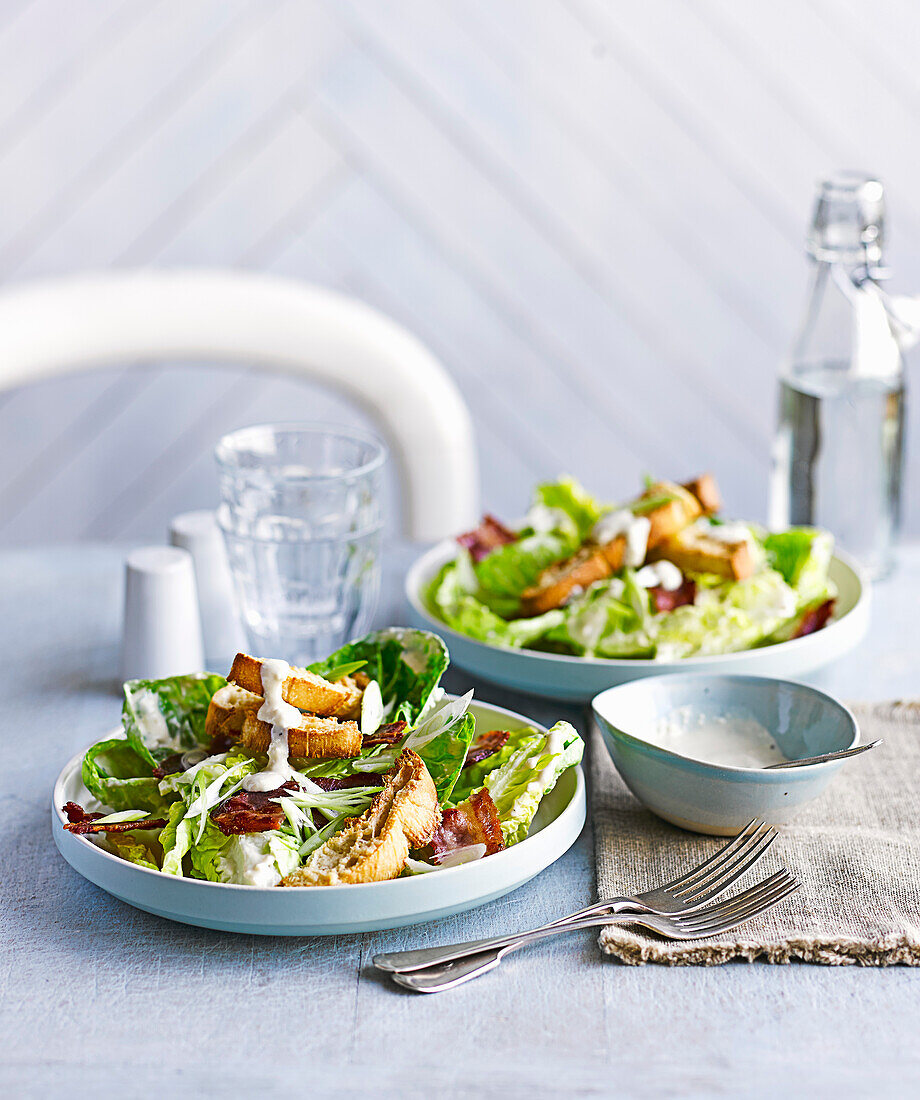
842, 754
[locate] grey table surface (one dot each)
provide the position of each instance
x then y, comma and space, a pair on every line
100, 999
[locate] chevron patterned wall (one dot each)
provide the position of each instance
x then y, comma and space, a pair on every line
591, 210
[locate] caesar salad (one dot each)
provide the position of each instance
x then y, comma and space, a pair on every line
661, 577
357, 769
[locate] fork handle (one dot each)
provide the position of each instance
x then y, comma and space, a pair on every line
437, 977
398, 962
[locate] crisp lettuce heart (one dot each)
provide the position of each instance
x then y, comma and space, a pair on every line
162, 717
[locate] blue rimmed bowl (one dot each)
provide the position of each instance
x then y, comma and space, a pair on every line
714, 798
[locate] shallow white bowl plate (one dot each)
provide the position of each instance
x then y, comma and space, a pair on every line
581, 678
332, 910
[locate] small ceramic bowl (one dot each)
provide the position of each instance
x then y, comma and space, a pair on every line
714, 798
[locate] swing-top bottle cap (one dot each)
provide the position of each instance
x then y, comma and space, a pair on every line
848, 222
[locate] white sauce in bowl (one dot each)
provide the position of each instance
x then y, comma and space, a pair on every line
728, 740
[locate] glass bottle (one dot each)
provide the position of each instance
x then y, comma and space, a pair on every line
839, 447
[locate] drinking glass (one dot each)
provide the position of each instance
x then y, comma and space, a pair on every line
301, 515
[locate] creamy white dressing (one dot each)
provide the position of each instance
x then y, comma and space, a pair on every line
727, 533
635, 530
730, 740
282, 717
555, 745
249, 861
782, 606
660, 574
150, 721
543, 520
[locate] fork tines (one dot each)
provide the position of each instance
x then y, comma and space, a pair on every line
727, 865
727, 914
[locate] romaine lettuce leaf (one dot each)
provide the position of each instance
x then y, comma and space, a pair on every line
460, 609
445, 753
609, 620
528, 772
251, 859
569, 496
473, 776
176, 839
726, 618
407, 664
119, 777
131, 847
162, 717
504, 574
802, 555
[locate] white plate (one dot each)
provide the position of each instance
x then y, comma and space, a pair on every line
581, 678
331, 910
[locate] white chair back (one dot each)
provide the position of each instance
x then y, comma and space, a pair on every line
87, 320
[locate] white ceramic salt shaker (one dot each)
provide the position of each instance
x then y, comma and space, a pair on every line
200, 535
162, 627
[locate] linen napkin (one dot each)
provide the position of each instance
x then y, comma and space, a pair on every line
856, 850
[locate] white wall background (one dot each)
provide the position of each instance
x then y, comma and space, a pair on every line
591, 210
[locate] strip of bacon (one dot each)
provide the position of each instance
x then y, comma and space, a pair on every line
485, 745
488, 536
220, 742
91, 825
472, 822
384, 735
76, 813
169, 766
251, 811
662, 600
816, 619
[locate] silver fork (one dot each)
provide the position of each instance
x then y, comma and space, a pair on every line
690, 891
694, 925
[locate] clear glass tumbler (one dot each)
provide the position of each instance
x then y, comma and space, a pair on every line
301, 515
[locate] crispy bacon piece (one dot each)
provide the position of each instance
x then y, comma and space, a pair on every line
221, 742
815, 619
662, 600
251, 811
343, 782
472, 822
384, 735
485, 745
169, 765
488, 536
81, 823
76, 814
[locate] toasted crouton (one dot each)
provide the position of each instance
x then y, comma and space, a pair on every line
680, 510
706, 491
374, 847
314, 737
557, 582
228, 708
355, 686
593, 562
615, 552
695, 552
301, 689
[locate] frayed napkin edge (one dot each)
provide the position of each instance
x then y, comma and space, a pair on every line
891, 950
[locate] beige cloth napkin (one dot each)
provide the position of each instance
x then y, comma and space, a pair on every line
856, 851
